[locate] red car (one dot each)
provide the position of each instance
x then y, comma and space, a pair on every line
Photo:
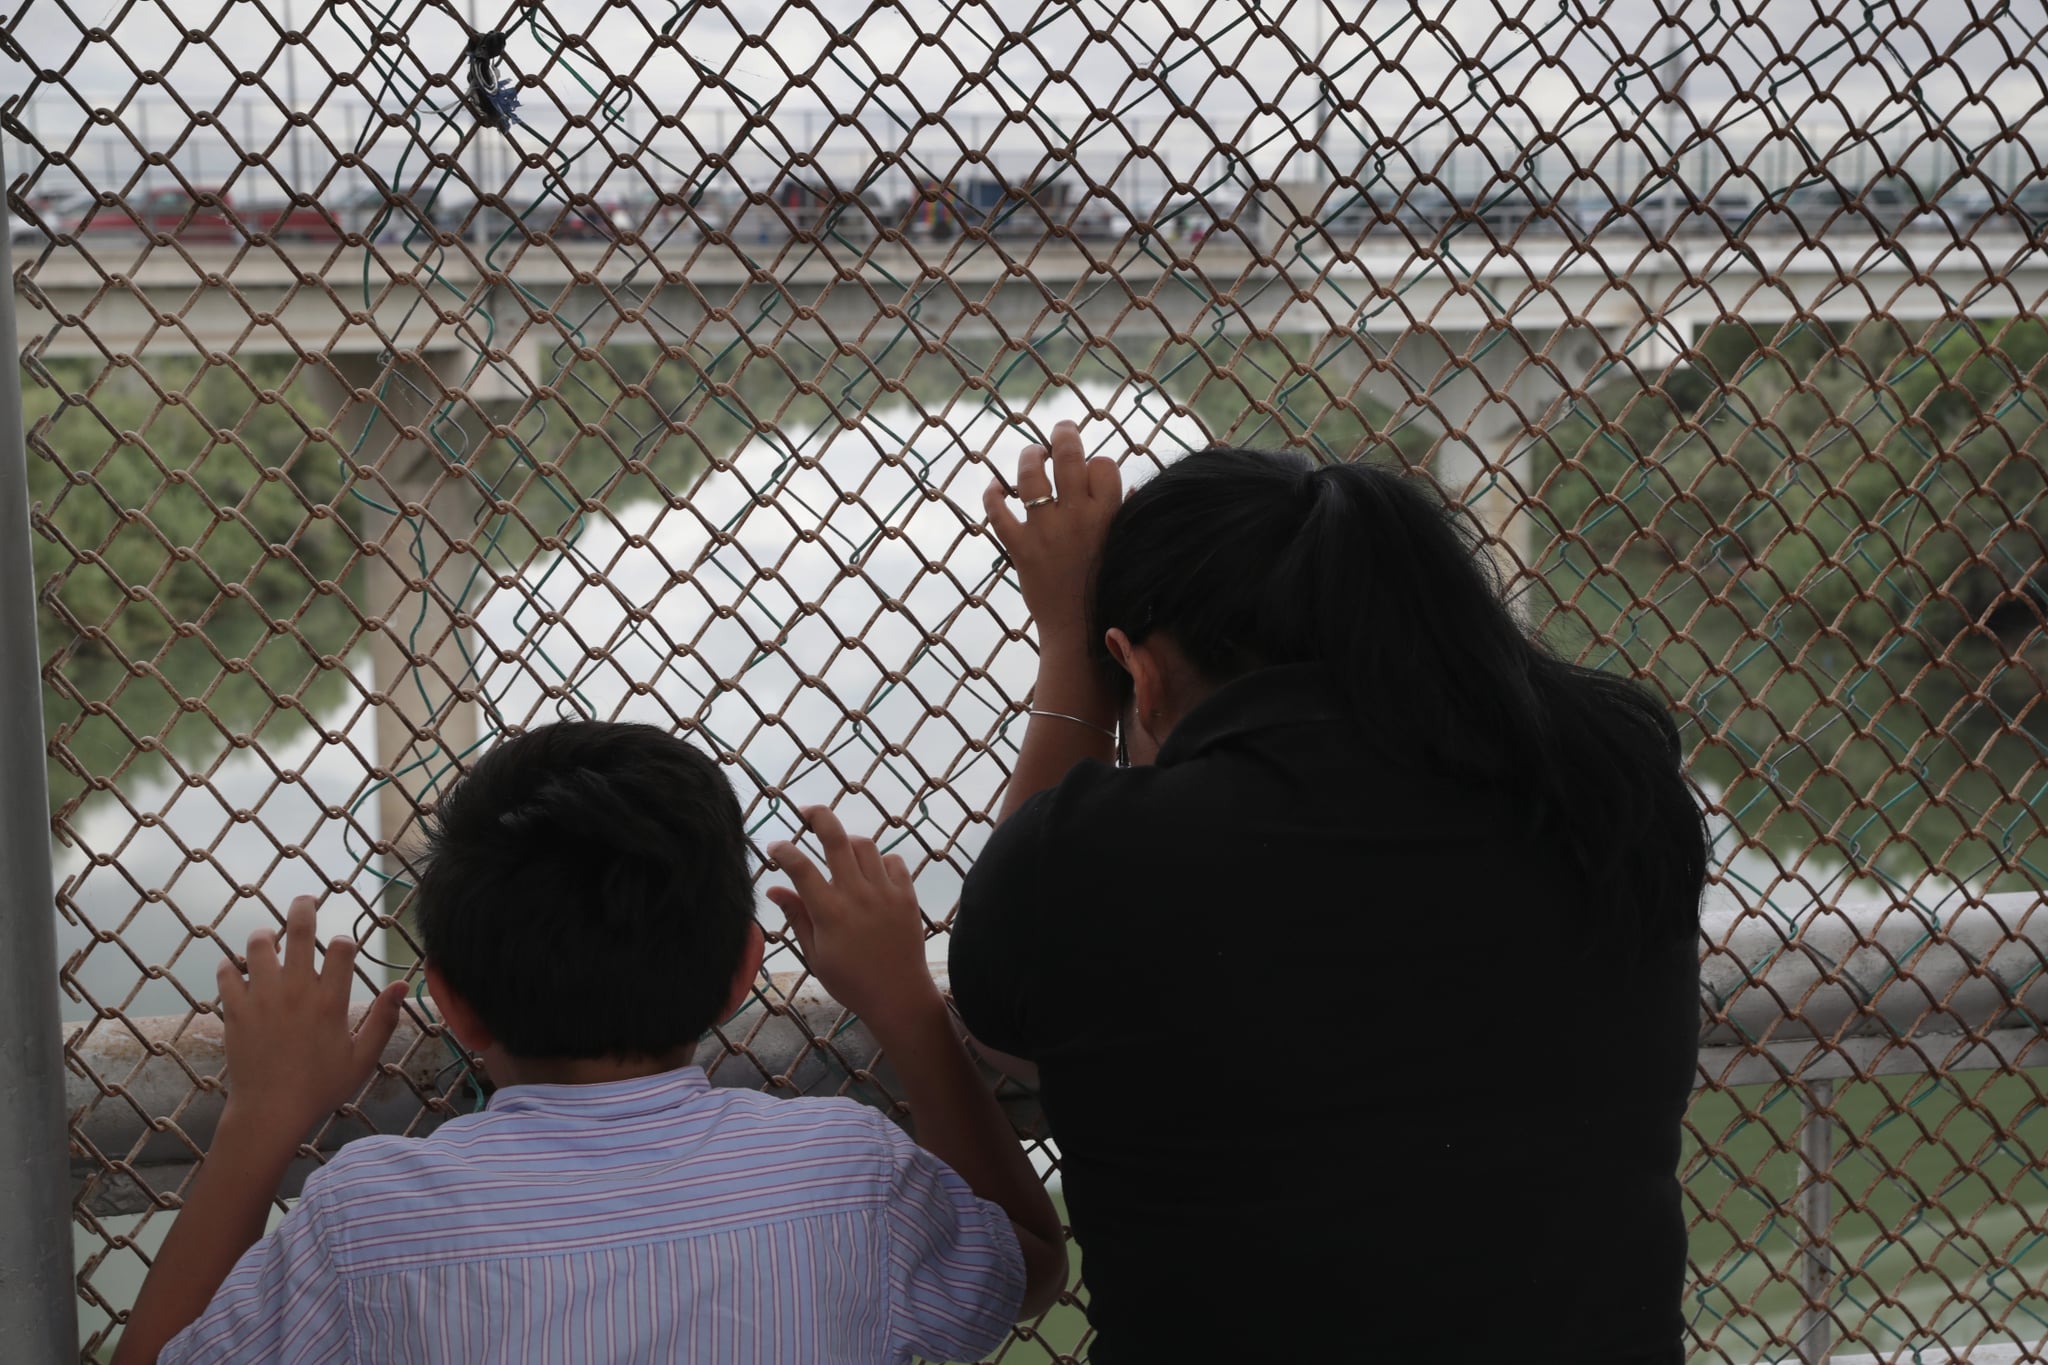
209, 217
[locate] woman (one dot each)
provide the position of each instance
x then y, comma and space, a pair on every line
1365, 999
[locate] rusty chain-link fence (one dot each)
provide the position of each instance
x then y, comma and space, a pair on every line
401, 374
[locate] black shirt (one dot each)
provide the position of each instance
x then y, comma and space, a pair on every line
1335, 1066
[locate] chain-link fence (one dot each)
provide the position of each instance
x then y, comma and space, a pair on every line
398, 375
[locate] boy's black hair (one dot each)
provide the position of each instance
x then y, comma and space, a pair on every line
585, 889
1249, 559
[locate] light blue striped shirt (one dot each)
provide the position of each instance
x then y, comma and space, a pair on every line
657, 1219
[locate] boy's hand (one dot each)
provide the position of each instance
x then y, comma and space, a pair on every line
859, 927
292, 1058
1053, 545
861, 933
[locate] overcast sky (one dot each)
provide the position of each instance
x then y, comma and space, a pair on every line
1098, 81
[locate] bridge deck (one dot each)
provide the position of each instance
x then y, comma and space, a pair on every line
114, 294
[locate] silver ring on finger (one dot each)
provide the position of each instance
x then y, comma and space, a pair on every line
1040, 502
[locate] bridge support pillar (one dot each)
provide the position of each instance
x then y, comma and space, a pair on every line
411, 453
1497, 390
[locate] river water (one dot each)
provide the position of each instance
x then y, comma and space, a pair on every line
782, 573
567, 618
134, 871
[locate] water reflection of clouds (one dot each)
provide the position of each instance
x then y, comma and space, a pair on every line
874, 531
193, 846
726, 641
847, 592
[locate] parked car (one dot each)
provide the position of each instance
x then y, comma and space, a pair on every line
1818, 208
1964, 208
1511, 207
2029, 206
1670, 210
557, 218
447, 209
412, 217
208, 217
1973, 205
801, 210
657, 219
936, 212
39, 217
1503, 211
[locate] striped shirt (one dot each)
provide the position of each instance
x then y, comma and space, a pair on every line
655, 1219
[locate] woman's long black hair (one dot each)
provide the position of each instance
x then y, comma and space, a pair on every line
1250, 559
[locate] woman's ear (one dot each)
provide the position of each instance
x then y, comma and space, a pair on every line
743, 976
1148, 679
1119, 646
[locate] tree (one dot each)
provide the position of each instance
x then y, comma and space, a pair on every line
192, 546
1830, 551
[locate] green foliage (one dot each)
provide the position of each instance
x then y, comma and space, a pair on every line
191, 545
1909, 1255
1827, 550
1848, 533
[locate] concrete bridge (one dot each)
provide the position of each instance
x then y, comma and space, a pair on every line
112, 294
392, 340
392, 337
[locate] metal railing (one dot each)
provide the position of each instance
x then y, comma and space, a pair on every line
384, 390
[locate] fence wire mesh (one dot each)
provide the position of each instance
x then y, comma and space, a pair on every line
402, 374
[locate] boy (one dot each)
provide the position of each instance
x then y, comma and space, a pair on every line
587, 914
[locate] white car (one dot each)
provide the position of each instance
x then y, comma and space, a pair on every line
34, 221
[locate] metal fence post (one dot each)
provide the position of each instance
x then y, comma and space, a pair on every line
38, 1311
1816, 1219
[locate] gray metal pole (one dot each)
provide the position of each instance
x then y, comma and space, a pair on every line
293, 139
1817, 1221
38, 1311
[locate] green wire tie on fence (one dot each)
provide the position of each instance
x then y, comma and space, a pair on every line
454, 453
1848, 707
611, 115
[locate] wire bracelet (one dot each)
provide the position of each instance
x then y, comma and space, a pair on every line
1061, 715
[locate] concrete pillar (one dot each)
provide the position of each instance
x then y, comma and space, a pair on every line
421, 584
1505, 400
1468, 379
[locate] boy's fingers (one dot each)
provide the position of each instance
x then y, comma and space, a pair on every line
339, 965
896, 870
833, 841
1068, 463
227, 977
261, 954
380, 1021
803, 874
796, 913
869, 859
995, 501
301, 925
